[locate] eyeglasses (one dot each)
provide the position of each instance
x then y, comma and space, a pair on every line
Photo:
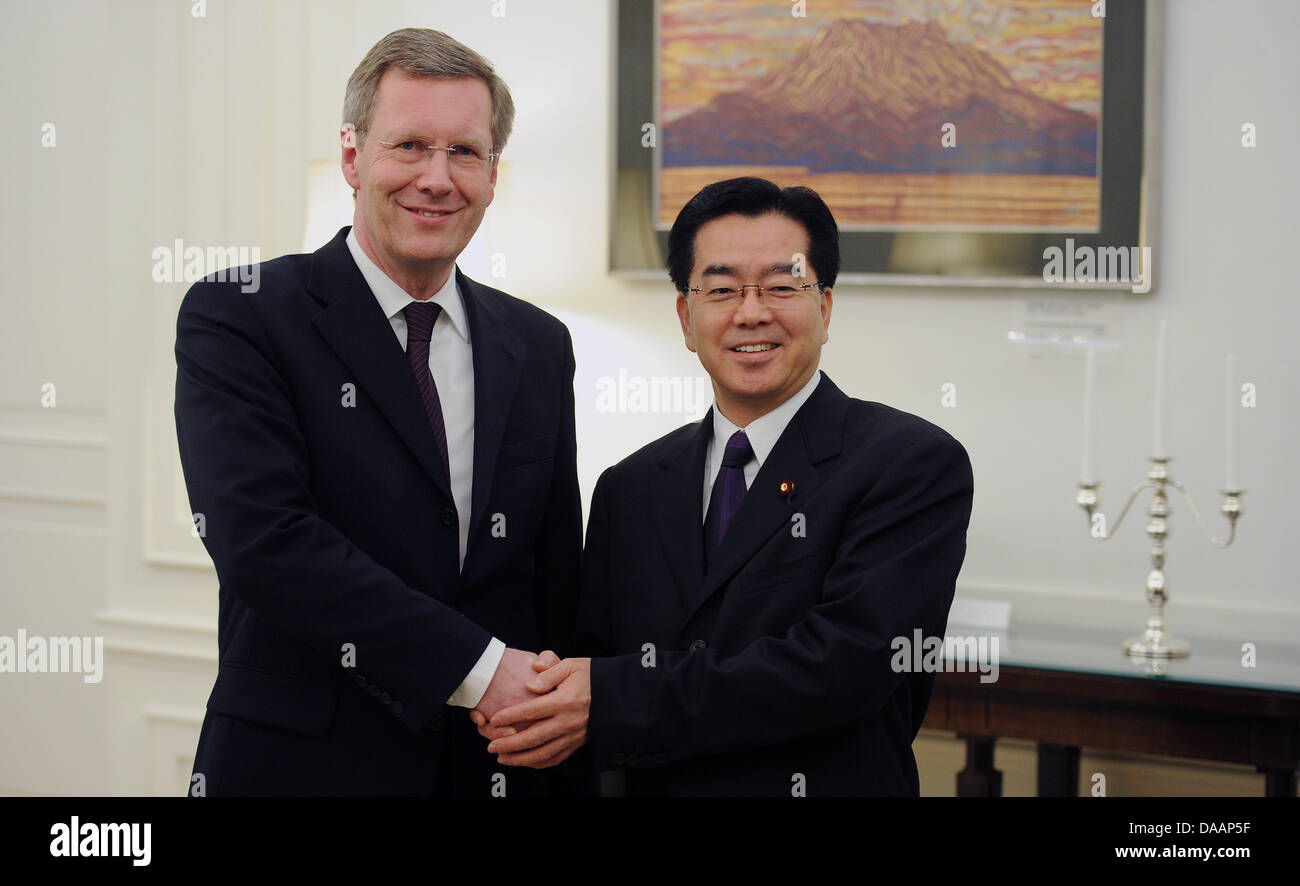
778, 289
462, 158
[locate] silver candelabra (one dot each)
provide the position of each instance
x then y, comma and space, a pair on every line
1155, 643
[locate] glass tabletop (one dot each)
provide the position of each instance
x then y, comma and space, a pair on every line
1217, 659
1249, 650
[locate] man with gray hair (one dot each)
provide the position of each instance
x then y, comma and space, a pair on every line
383, 452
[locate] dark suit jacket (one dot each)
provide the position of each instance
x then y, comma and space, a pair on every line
775, 661
332, 528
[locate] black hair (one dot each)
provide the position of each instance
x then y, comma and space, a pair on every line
750, 196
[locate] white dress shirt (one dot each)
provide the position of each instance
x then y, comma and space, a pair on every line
451, 362
762, 433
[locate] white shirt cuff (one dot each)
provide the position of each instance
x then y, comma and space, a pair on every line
469, 693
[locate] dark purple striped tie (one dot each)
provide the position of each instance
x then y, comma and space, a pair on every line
420, 317
728, 490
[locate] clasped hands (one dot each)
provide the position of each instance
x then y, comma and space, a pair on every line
534, 712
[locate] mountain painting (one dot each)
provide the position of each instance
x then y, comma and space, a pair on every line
902, 114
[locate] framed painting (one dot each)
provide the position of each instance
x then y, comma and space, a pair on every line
980, 143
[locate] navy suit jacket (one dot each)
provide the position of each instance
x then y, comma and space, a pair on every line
769, 671
344, 623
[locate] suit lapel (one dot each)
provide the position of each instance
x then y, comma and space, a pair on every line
354, 326
676, 501
814, 435
498, 364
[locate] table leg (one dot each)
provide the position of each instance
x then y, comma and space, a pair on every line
979, 778
1279, 782
1058, 770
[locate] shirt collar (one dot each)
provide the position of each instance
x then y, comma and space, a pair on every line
764, 431
394, 299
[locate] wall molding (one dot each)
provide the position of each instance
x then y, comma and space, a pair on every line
68, 439
172, 714
173, 735
138, 619
177, 560
17, 493
160, 651
34, 408
158, 637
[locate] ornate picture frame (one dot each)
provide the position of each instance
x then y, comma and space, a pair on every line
665, 148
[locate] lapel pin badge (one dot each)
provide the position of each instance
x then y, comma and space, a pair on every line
787, 487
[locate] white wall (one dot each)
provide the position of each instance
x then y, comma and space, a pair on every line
203, 129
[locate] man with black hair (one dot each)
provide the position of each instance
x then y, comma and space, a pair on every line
745, 576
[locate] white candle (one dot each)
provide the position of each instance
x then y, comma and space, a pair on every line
1230, 426
1089, 383
1158, 411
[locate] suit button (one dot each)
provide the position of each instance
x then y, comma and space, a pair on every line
398, 707
449, 516
619, 759
374, 690
386, 698
697, 645
361, 681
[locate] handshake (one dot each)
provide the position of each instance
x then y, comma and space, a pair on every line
534, 712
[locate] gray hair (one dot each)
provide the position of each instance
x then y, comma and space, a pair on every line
422, 52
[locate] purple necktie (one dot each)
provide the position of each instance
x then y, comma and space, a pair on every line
420, 317
728, 490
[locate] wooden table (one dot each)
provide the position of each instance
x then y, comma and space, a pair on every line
1208, 707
